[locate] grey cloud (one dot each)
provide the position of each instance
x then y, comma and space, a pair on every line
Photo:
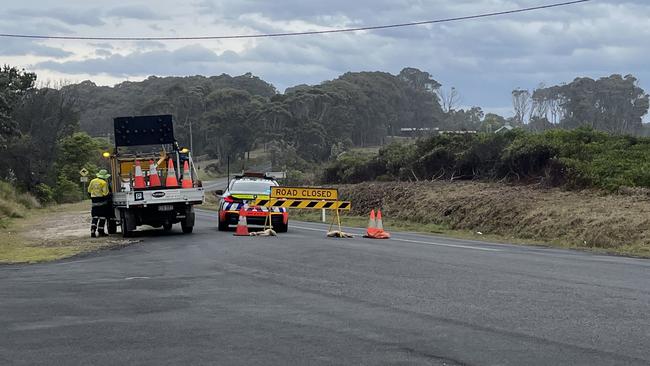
21, 26
149, 45
104, 45
19, 47
306, 10
190, 60
71, 16
187, 60
135, 12
194, 53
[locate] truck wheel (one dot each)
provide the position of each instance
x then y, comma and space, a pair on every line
167, 227
125, 227
111, 226
126, 223
188, 223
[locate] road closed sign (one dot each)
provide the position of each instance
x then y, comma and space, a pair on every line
305, 193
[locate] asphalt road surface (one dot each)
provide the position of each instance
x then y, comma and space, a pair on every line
213, 185
300, 298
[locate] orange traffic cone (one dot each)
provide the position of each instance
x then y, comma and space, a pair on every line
154, 179
187, 178
372, 223
138, 182
381, 233
171, 180
242, 226
376, 227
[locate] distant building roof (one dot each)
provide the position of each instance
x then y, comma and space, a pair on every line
459, 132
504, 128
412, 129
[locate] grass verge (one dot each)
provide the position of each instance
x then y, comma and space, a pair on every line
355, 221
51, 233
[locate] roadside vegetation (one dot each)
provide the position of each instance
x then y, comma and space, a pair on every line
309, 125
14, 204
527, 214
575, 159
41, 146
305, 127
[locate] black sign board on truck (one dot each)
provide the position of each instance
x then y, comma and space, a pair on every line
144, 130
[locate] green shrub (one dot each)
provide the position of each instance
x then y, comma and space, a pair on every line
28, 200
6, 190
296, 177
527, 156
66, 191
44, 193
575, 159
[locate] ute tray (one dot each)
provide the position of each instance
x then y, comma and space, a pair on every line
140, 198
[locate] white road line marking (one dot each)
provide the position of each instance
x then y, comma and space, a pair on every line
448, 245
137, 278
308, 228
416, 241
73, 262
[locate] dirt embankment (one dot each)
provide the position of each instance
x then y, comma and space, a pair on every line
579, 219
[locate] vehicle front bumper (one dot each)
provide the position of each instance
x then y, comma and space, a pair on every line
231, 217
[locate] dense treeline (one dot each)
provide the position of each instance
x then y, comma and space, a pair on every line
41, 148
185, 97
232, 115
578, 158
614, 104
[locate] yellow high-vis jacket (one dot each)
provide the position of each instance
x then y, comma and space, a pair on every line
98, 188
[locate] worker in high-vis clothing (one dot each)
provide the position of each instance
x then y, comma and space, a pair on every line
100, 196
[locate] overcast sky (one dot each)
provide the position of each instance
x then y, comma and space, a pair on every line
484, 59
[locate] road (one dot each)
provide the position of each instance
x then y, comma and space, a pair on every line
217, 183
211, 298
221, 183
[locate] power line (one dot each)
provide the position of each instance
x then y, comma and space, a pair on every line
288, 34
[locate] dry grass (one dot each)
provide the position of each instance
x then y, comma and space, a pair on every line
10, 209
14, 204
613, 223
51, 233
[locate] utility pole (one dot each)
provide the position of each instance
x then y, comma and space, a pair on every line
191, 142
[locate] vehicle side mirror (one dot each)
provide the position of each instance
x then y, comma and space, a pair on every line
218, 192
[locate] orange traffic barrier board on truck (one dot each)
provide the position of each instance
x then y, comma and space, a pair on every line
305, 193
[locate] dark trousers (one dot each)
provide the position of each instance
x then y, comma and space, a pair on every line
100, 211
97, 223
